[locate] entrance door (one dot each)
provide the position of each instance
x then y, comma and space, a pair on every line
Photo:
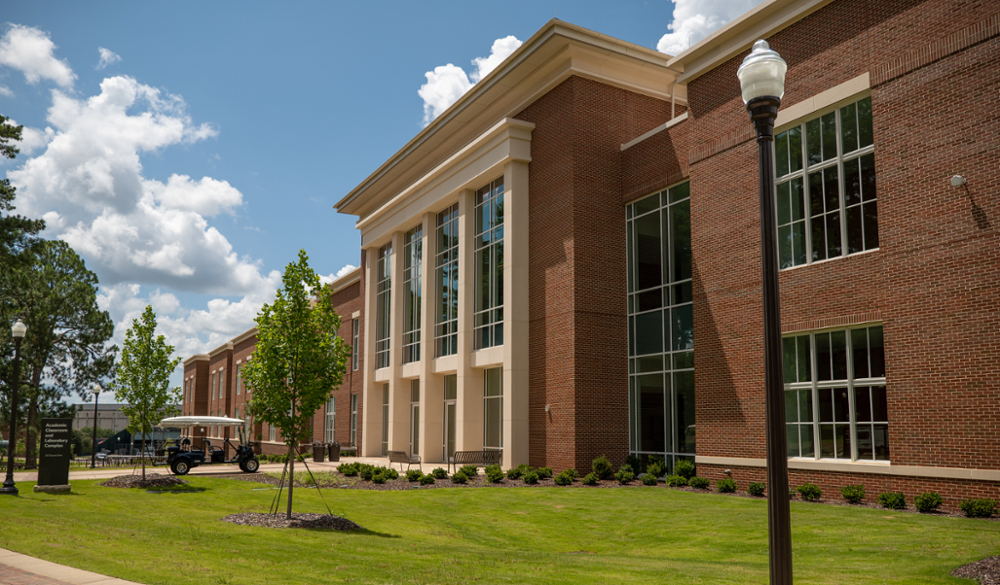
450, 409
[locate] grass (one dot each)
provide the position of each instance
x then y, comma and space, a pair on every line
488, 535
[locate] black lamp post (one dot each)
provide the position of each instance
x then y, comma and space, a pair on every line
17, 331
93, 448
762, 80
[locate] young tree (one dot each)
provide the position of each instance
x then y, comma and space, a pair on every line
299, 359
143, 378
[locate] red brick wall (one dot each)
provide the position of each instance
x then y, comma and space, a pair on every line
655, 163
935, 280
577, 334
346, 301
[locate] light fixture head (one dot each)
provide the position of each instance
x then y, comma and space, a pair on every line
762, 73
97, 389
19, 329
958, 181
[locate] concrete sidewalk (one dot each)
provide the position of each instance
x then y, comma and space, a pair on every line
19, 569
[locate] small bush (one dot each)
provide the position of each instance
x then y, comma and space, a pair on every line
470, 470
984, 508
698, 483
459, 477
390, 473
649, 479
530, 478
564, 478
494, 474
892, 500
516, 472
544, 472
756, 488
439, 473
426, 479
602, 467
348, 469
928, 501
684, 468
625, 475
655, 468
571, 472
791, 493
589, 479
810, 492
493, 467
726, 486
378, 478
413, 474
634, 462
675, 480
366, 472
853, 493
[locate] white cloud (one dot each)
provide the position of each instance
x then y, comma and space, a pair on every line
345, 270
446, 83
30, 51
696, 19
6, 91
108, 57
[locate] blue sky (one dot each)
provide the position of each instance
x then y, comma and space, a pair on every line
193, 161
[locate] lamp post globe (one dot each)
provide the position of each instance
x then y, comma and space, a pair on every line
93, 444
762, 84
17, 332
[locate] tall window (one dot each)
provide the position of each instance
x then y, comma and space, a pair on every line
215, 387
331, 419
412, 266
415, 416
354, 419
355, 350
385, 419
270, 433
661, 326
835, 400
239, 378
826, 186
383, 284
493, 410
489, 265
446, 280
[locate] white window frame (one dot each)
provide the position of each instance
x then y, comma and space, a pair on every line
331, 420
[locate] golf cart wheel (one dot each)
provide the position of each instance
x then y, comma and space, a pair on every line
242, 465
180, 467
251, 466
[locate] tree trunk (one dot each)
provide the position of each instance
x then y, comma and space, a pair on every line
29, 436
142, 456
292, 451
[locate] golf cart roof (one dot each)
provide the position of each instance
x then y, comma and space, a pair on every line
184, 422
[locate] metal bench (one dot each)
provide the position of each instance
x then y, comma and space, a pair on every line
402, 457
477, 458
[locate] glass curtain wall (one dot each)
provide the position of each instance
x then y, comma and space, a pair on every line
385, 420
412, 267
446, 279
493, 410
661, 326
383, 284
489, 265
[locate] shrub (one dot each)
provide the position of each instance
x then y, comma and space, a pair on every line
564, 478
390, 473
348, 469
426, 479
571, 472
413, 474
984, 508
698, 483
602, 467
726, 486
928, 501
625, 475
494, 474
470, 470
649, 479
544, 472
655, 468
517, 472
459, 477
892, 500
589, 479
531, 477
791, 493
366, 472
810, 492
379, 478
853, 493
634, 462
756, 488
684, 468
675, 480
439, 473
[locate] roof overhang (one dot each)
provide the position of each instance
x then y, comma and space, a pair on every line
220, 350
346, 280
243, 336
201, 357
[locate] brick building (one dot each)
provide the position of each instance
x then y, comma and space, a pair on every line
566, 262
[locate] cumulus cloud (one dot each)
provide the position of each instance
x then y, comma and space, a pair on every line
6, 91
696, 19
30, 51
108, 57
446, 83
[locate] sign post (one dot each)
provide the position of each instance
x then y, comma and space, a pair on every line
54, 455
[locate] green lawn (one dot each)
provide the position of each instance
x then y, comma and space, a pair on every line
489, 535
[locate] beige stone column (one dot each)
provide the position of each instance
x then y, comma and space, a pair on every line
515, 322
399, 389
469, 401
431, 385
371, 400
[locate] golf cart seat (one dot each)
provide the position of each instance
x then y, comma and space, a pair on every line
214, 453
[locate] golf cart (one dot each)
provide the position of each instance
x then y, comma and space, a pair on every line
182, 457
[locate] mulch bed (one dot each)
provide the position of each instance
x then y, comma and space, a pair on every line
136, 481
986, 571
328, 521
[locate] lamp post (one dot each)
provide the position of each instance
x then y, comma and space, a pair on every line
762, 81
17, 331
93, 448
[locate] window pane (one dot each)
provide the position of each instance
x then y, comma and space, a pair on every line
823, 371
646, 205
684, 411
877, 352
838, 350
805, 406
819, 238
806, 440
881, 442
865, 122
683, 360
880, 409
650, 300
825, 405
682, 293
494, 424
799, 242
682, 191
862, 404
814, 147
649, 333
649, 364
648, 243
852, 181
859, 350
797, 206
826, 441
785, 247
784, 210
795, 149
841, 405
842, 435
788, 359
792, 432
833, 248
855, 236
868, 177
805, 366
680, 234
781, 154
849, 128
683, 328
494, 382
865, 445
829, 136
871, 224
651, 419
791, 406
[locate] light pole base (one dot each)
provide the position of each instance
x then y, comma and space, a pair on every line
9, 489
